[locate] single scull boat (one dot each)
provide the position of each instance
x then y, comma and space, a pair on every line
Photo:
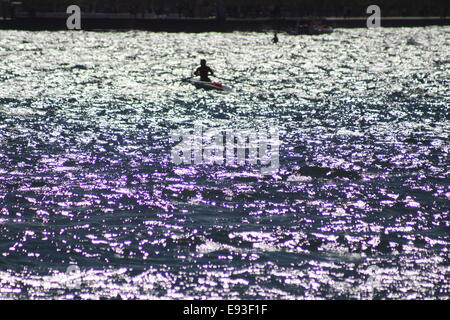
207, 85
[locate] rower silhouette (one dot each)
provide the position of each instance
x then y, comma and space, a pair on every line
275, 38
204, 71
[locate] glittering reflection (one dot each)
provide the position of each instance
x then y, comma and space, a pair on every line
358, 208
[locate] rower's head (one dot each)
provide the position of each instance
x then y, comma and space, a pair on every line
203, 62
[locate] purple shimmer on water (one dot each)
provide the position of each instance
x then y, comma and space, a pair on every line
359, 207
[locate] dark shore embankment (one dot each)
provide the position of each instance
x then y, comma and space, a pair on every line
209, 25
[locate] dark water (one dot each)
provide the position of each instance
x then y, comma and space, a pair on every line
92, 206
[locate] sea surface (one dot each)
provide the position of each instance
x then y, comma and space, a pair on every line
93, 206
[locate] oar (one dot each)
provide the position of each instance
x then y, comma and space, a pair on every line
185, 79
227, 79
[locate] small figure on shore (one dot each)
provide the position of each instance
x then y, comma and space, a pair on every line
204, 71
275, 38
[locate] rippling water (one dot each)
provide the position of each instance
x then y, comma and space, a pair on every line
91, 205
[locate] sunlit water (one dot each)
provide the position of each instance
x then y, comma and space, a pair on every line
359, 207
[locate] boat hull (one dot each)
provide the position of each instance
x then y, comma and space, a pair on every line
207, 85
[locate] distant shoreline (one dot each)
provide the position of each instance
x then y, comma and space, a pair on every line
58, 22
